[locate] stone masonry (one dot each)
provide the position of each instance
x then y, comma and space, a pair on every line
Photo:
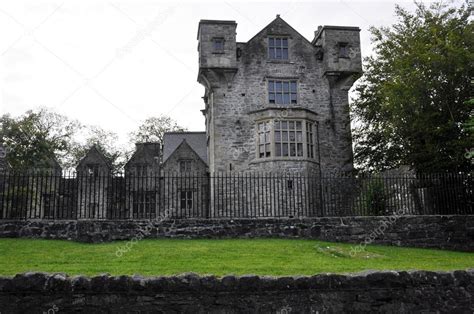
237, 75
441, 232
369, 292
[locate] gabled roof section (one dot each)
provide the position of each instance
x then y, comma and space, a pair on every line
279, 20
184, 145
146, 153
196, 140
94, 154
48, 162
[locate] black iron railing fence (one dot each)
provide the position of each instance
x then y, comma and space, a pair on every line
50, 195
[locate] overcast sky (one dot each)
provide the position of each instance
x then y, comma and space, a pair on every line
115, 63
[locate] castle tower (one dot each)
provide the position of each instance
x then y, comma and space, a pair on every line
217, 67
278, 102
338, 48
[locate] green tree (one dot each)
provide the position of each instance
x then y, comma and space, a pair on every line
106, 143
410, 106
35, 138
153, 129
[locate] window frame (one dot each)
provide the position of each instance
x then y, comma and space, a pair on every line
188, 201
214, 41
273, 89
290, 127
306, 145
185, 162
289, 184
310, 139
264, 129
273, 47
343, 46
143, 203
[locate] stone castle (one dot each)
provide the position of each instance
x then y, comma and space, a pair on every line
278, 101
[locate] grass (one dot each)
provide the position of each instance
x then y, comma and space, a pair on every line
276, 257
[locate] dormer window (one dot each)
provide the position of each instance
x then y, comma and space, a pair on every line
343, 50
278, 48
218, 44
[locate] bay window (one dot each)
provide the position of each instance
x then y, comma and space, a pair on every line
286, 139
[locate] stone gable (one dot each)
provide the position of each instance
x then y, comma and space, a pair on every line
184, 152
93, 158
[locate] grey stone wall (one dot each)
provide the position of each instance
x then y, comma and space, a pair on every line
444, 232
373, 292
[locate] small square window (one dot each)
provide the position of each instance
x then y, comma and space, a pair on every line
343, 50
218, 44
290, 184
185, 165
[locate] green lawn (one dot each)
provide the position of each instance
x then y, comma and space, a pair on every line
276, 257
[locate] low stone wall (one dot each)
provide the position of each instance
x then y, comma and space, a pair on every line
445, 232
377, 292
